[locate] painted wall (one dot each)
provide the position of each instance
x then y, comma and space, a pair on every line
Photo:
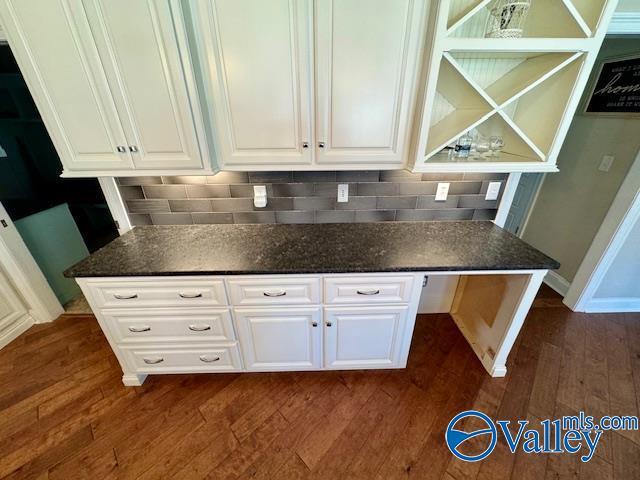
57, 250
572, 204
628, 6
622, 280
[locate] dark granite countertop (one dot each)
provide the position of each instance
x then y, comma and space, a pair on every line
311, 248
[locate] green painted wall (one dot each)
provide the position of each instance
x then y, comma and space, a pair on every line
54, 240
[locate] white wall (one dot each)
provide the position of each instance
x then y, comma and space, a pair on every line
572, 204
622, 279
628, 6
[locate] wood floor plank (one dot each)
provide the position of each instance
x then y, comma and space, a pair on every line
542, 400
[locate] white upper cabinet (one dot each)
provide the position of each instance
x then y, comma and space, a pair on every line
313, 85
52, 44
147, 78
111, 84
366, 60
259, 64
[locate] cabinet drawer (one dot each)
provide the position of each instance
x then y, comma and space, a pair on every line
184, 358
368, 289
136, 326
158, 292
275, 291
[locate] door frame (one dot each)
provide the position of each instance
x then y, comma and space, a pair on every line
614, 230
25, 274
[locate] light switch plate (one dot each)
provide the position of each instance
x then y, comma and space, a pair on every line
605, 164
260, 196
442, 191
493, 190
343, 192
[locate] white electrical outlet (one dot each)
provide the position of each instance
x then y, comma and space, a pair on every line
605, 164
493, 190
442, 191
343, 192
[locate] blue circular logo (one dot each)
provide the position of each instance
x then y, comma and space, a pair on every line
455, 438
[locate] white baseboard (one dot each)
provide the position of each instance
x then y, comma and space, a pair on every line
557, 282
15, 330
612, 305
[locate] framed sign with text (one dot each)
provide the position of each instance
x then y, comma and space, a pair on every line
616, 91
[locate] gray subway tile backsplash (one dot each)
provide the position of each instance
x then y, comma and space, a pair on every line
294, 216
208, 191
254, 217
200, 205
171, 218
335, 216
165, 191
307, 197
212, 217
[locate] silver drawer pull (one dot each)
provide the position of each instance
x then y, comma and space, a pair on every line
125, 297
199, 328
368, 292
208, 359
280, 293
153, 361
139, 329
190, 295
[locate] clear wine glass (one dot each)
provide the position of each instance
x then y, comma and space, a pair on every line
496, 144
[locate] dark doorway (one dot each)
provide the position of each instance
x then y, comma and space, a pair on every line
60, 220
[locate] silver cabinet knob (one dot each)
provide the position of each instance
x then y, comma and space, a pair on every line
125, 297
321, 144
139, 329
190, 295
121, 149
133, 148
153, 361
305, 144
209, 359
199, 328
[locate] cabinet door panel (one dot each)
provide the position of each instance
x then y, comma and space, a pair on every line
138, 41
260, 65
356, 337
53, 46
279, 338
367, 52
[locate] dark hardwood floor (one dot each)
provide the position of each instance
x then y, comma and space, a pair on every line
64, 413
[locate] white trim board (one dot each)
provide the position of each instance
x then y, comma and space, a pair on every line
115, 203
624, 23
15, 330
557, 282
508, 194
25, 274
612, 305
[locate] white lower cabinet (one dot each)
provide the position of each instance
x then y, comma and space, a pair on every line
280, 338
359, 337
270, 323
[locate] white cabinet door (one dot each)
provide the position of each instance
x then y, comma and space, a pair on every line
52, 43
357, 337
11, 307
139, 49
280, 338
367, 53
259, 62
